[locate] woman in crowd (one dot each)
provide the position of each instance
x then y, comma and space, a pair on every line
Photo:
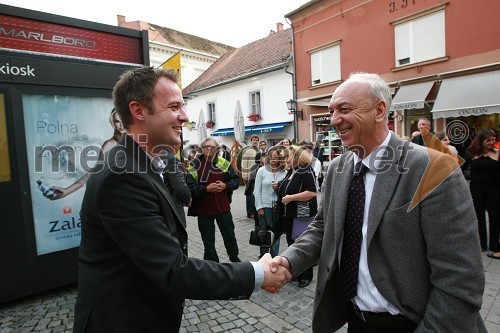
485, 188
266, 181
297, 198
446, 141
285, 142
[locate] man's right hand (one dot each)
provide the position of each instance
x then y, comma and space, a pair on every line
275, 274
261, 212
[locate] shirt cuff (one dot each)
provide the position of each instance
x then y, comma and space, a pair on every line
259, 275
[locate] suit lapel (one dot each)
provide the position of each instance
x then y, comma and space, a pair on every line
142, 163
385, 184
160, 185
341, 182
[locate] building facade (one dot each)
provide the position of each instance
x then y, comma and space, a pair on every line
438, 63
257, 78
196, 53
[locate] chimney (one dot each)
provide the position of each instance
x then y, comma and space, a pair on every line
121, 20
279, 27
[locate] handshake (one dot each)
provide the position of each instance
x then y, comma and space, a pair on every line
276, 272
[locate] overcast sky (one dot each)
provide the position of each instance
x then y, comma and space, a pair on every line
231, 22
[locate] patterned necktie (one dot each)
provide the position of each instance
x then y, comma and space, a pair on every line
351, 246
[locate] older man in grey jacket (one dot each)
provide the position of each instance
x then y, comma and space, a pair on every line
418, 266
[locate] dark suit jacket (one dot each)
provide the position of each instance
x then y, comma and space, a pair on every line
419, 139
425, 261
175, 179
133, 270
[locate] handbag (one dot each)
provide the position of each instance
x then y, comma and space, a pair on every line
276, 221
299, 225
260, 236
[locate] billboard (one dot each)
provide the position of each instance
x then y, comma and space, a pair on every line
64, 137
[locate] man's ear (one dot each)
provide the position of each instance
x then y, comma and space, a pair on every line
381, 110
137, 110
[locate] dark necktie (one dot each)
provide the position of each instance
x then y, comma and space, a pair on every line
351, 246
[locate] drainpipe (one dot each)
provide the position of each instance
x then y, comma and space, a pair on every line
294, 87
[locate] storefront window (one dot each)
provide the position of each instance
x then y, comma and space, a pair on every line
5, 174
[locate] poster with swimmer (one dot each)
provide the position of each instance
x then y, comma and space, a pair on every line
64, 137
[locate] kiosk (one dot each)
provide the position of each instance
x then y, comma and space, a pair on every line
56, 79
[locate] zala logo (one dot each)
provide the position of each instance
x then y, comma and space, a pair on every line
7, 69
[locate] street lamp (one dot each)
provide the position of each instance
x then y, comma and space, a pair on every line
292, 109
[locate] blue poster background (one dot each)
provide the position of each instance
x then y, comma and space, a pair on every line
73, 123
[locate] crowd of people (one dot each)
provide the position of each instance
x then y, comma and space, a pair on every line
391, 255
480, 164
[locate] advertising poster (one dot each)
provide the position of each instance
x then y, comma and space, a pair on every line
5, 175
64, 137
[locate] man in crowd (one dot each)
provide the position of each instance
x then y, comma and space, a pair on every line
424, 135
212, 181
263, 147
395, 235
134, 273
247, 161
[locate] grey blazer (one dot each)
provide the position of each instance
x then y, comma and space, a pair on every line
425, 261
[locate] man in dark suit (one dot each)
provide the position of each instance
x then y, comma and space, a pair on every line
415, 256
134, 273
424, 129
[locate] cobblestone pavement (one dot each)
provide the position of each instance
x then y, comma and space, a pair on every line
288, 311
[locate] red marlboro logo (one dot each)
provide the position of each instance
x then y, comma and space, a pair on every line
67, 210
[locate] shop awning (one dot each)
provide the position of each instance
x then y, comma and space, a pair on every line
471, 95
411, 96
267, 128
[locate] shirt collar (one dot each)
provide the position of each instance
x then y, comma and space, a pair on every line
158, 164
374, 160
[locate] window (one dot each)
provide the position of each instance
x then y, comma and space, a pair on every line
211, 111
255, 102
420, 39
325, 65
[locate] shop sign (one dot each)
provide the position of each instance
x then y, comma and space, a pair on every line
321, 119
473, 112
407, 106
18, 33
64, 73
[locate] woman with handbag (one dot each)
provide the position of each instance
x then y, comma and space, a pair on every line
271, 173
297, 200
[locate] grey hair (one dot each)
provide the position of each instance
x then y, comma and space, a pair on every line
208, 138
379, 89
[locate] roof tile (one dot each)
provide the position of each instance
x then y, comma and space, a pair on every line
270, 51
